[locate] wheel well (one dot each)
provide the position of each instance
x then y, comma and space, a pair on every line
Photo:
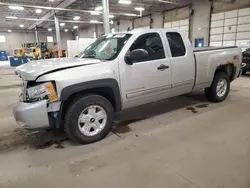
106, 92
228, 69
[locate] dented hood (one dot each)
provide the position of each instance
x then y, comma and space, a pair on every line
33, 69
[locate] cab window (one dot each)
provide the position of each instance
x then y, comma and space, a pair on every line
176, 44
152, 43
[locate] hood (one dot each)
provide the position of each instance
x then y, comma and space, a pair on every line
33, 69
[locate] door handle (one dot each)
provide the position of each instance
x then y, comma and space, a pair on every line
162, 67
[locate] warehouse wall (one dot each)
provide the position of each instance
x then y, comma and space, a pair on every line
15, 39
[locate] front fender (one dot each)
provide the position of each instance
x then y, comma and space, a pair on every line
95, 84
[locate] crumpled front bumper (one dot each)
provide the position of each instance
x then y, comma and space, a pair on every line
32, 115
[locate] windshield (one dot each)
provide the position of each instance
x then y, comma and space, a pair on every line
106, 47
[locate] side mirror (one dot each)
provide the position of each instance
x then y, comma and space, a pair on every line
136, 55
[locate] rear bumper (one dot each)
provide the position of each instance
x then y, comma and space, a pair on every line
32, 115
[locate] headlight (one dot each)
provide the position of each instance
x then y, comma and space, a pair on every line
42, 91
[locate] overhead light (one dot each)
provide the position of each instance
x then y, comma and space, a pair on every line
76, 18
66, 30
130, 14
125, 2
51, 0
21, 25
111, 22
16, 8
139, 8
111, 16
99, 8
95, 13
62, 24
75, 27
11, 17
9, 31
38, 11
94, 21
49, 29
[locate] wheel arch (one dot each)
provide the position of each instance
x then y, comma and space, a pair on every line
107, 88
229, 69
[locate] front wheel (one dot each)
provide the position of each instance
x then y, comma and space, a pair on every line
219, 89
89, 119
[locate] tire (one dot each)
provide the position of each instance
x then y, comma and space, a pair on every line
244, 73
77, 107
211, 93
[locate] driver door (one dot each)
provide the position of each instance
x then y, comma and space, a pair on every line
149, 79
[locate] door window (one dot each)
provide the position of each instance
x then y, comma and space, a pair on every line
152, 43
176, 44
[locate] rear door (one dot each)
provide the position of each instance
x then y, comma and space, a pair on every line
148, 80
182, 62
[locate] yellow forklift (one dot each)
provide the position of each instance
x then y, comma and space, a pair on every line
19, 52
34, 53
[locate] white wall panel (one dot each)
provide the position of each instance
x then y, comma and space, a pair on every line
141, 22
245, 27
175, 27
217, 23
243, 35
229, 36
176, 24
184, 28
184, 22
217, 30
243, 42
168, 25
216, 37
231, 14
219, 16
217, 44
244, 12
229, 43
230, 29
244, 20
231, 21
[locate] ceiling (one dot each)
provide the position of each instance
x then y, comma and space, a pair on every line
115, 8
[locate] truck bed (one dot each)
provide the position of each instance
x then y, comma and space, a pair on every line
212, 48
209, 58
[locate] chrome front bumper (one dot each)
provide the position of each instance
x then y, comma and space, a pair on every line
32, 115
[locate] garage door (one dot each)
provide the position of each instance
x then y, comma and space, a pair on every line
231, 28
177, 19
142, 23
179, 24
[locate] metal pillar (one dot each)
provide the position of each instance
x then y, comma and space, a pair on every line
105, 5
58, 38
37, 36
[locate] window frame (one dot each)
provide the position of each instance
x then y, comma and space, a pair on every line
163, 46
4, 38
50, 37
170, 46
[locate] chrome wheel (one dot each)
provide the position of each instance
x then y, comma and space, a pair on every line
92, 120
221, 88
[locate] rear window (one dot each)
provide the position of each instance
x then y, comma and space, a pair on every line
176, 44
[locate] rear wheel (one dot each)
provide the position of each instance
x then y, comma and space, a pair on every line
219, 89
89, 119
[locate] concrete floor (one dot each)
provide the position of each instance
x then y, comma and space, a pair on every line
158, 145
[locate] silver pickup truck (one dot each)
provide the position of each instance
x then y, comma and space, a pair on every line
119, 71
